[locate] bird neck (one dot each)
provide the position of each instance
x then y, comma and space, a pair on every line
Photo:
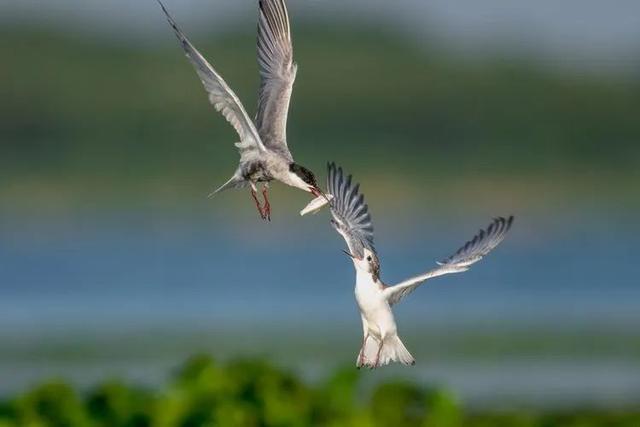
364, 277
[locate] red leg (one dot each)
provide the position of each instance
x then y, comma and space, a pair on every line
361, 356
378, 355
267, 206
255, 198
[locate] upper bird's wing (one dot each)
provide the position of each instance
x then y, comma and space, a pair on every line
220, 94
470, 253
277, 73
349, 211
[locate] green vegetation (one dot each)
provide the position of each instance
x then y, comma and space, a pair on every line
255, 393
87, 119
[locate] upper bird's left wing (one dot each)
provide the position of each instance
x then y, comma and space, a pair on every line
277, 73
220, 94
349, 211
473, 251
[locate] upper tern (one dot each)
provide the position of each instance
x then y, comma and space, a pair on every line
381, 344
264, 155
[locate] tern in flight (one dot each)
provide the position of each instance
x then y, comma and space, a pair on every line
381, 344
264, 154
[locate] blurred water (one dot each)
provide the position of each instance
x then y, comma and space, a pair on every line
122, 295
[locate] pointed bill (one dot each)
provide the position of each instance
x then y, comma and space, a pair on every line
316, 204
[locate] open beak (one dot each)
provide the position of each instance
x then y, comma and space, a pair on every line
348, 254
316, 191
319, 193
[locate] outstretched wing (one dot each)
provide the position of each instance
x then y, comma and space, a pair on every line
350, 212
277, 73
220, 94
473, 251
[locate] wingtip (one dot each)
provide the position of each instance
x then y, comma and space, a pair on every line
164, 9
171, 21
510, 221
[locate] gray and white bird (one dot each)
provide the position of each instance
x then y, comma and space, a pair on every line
350, 217
264, 154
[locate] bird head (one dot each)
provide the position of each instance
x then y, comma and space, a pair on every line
368, 263
304, 179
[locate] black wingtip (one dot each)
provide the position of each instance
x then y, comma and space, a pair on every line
507, 223
164, 9
172, 22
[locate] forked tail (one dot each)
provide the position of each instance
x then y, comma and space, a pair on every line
236, 181
393, 350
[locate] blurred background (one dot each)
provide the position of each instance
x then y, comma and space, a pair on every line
115, 264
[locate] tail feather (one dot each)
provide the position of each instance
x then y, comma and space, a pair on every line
236, 181
393, 350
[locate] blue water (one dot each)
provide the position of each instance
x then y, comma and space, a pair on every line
117, 273
116, 268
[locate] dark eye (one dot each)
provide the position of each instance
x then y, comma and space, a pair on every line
369, 258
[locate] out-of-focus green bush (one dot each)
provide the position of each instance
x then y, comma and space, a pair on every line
114, 122
254, 393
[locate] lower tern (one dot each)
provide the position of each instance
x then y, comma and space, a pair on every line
351, 219
264, 154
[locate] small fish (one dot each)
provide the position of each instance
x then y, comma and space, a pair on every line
316, 204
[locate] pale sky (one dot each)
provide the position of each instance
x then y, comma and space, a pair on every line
585, 33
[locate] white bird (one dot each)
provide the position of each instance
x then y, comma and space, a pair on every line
381, 344
264, 154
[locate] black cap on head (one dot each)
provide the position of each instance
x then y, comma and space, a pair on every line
305, 174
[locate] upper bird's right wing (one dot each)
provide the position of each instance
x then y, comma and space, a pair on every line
277, 73
473, 251
350, 212
220, 94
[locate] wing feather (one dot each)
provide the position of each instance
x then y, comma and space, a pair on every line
221, 96
350, 213
277, 73
471, 252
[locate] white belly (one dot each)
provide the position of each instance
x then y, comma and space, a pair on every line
374, 307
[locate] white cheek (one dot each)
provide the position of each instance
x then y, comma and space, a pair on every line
361, 265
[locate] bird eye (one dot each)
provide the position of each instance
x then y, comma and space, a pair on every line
369, 258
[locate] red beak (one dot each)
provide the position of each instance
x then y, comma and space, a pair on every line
316, 192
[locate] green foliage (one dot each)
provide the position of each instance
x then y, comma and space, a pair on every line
53, 404
443, 409
254, 393
114, 404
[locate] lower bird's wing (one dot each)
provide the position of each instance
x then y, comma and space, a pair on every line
349, 211
220, 94
473, 251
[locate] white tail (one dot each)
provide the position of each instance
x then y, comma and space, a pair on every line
393, 350
236, 181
